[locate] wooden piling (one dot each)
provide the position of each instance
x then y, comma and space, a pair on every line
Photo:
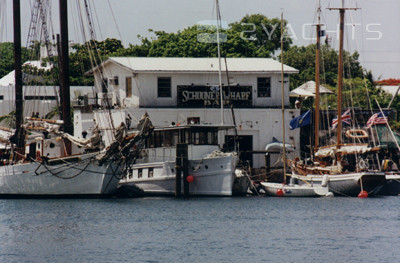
181, 166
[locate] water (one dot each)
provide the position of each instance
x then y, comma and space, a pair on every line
201, 230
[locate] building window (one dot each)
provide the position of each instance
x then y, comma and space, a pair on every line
263, 87
164, 87
128, 87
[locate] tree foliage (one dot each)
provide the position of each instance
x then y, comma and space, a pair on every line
303, 59
7, 57
252, 36
265, 33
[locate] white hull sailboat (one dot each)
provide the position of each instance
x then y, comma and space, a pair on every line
84, 177
41, 157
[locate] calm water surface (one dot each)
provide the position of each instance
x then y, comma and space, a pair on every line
201, 230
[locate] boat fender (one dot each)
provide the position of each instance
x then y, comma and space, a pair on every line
329, 194
38, 156
190, 179
363, 194
325, 180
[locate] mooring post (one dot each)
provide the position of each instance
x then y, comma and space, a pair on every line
185, 168
178, 171
267, 164
181, 167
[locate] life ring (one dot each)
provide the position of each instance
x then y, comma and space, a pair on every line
356, 134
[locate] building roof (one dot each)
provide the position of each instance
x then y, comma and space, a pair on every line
9, 79
198, 65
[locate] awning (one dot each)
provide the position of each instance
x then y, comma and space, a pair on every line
308, 90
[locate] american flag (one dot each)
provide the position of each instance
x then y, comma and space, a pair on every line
377, 118
346, 119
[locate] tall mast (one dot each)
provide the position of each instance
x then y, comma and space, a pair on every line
340, 79
64, 80
18, 75
283, 105
219, 64
317, 80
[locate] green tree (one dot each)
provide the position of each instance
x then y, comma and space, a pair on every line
7, 57
303, 59
265, 33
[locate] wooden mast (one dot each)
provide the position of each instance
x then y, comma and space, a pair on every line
64, 78
64, 83
340, 85
317, 80
340, 80
283, 105
18, 136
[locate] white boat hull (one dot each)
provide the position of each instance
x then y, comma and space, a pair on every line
293, 190
75, 178
349, 184
213, 176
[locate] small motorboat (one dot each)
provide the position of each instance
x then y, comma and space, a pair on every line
294, 190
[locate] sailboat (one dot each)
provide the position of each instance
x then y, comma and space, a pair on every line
291, 189
348, 169
40, 157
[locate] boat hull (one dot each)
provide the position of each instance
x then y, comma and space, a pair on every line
66, 179
350, 184
392, 186
213, 176
273, 189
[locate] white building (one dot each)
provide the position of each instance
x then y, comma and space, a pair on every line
175, 91
38, 99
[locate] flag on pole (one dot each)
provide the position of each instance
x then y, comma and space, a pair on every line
346, 119
302, 120
377, 118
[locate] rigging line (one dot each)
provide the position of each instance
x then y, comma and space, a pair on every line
93, 54
84, 39
115, 21
70, 177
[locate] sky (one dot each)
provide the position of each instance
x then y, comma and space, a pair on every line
372, 30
